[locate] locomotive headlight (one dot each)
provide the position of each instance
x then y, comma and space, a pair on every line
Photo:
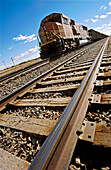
45, 28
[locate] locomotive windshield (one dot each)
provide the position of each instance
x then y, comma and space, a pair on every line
55, 19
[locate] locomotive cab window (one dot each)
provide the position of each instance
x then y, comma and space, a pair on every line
65, 20
72, 22
85, 28
55, 19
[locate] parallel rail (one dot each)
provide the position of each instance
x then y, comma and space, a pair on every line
57, 150
36, 102
20, 71
21, 90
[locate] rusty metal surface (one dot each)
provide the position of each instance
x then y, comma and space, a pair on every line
64, 132
95, 98
88, 131
99, 83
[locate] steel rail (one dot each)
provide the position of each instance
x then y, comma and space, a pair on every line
20, 71
27, 68
21, 90
71, 118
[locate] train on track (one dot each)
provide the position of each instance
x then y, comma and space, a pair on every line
59, 34
95, 35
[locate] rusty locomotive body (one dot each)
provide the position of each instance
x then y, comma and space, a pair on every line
58, 34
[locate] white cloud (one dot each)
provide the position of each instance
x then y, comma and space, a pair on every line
87, 20
99, 28
10, 47
21, 37
104, 25
27, 55
35, 55
103, 7
105, 28
109, 3
107, 32
108, 13
32, 50
94, 20
108, 28
31, 38
109, 24
96, 16
103, 16
25, 37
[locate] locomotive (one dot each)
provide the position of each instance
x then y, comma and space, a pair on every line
58, 34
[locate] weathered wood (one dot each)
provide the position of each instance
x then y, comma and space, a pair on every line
79, 64
102, 136
56, 89
42, 102
11, 162
102, 83
106, 60
75, 66
105, 99
32, 125
107, 56
74, 69
106, 74
108, 82
66, 80
69, 74
106, 63
101, 98
107, 68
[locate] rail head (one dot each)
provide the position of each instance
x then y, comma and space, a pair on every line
43, 157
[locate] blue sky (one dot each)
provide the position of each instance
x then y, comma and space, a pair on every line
20, 20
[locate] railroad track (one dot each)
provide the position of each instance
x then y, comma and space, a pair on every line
13, 80
23, 70
18, 78
29, 113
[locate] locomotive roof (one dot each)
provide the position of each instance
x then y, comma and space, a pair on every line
52, 15
46, 19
